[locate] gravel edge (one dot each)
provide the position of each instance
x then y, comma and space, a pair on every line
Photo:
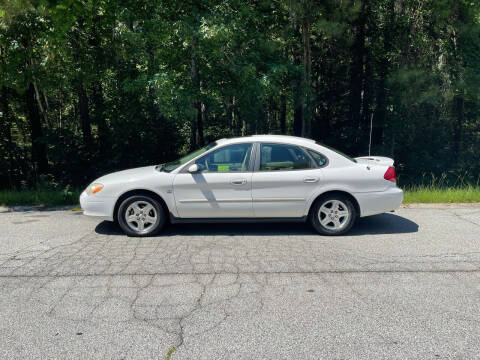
4, 209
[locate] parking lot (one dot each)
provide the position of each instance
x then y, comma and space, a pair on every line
399, 286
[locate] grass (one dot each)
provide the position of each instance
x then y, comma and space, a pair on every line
413, 194
42, 197
434, 194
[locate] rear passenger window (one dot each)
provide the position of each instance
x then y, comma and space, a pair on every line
319, 158
278, 157
232, 158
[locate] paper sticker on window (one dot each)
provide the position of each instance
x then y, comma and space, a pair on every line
223, 168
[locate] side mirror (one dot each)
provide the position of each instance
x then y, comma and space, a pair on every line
193, 168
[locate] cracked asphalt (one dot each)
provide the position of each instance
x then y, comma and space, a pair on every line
399, 286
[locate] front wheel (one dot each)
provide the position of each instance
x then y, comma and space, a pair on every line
141, 215
333, 214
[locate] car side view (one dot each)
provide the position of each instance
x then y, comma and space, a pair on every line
248, 179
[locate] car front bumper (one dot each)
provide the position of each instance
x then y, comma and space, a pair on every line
95, 205
378, 202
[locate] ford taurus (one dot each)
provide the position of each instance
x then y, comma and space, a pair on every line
256, 178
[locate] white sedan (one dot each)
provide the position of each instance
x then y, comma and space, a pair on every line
256, 178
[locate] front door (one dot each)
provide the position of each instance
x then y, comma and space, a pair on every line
222, 188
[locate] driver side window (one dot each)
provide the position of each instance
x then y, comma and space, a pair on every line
232, 158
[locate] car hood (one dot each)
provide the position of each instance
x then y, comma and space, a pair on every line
127, 175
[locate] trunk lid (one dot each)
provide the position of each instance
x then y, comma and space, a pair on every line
375, 160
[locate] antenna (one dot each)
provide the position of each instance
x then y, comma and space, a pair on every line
370, 139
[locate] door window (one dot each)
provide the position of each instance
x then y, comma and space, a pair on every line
232, 158
278, 157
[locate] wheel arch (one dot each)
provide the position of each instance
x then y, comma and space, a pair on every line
144, 192
342, 192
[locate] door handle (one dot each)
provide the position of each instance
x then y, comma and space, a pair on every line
310, 180
238, 181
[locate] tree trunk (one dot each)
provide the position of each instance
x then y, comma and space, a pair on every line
458, 104
99, 114
6, 131
323, 112
233, 119
357, 69
367, 99
307, 76
5, 125
81, 93
196, 105
153, 108
84, 113
297, 86
38, 97
200, 116
283, 113
193, 133
458, 99
39, 150
98, 111
380, 117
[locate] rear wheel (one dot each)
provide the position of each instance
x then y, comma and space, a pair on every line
333, 214
141, 215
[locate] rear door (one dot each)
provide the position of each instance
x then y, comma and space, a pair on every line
285, 177
222, 188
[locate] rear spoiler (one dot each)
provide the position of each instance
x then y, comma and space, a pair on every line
375, 160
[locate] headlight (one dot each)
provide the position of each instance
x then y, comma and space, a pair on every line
94, 188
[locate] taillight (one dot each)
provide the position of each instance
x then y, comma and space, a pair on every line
390, 174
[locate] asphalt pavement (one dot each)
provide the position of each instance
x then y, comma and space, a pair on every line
399, 286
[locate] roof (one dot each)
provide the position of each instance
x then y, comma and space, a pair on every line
266, 138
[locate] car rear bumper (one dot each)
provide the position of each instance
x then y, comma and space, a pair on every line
372, 203
94, 205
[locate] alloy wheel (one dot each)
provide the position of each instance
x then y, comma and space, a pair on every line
141, 217
333, 215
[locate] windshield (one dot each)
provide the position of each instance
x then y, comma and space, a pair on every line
338, 152
172, 165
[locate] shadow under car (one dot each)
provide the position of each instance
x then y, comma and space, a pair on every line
387, 223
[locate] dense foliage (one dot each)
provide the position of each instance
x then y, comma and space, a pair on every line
91, 86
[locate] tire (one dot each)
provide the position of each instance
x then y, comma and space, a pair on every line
147, 216
333, 214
